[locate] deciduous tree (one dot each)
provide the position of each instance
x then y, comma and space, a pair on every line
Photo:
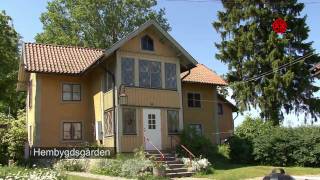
96, 23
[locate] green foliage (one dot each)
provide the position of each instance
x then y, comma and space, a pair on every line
98, 23
224, 151
199, 145
289, 146
136, 167
12, 138
250, 48
240, 150
16, 137
10, 100
256, 141
111, 167
79, 165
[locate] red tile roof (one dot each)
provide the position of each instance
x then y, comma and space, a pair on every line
58, 59
204, 75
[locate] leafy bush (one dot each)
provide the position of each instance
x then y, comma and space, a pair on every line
260, 142
241, 144
133, 167
199, 145
224, 151
289, 146
16, 172
110, 167
71, 165
13, 138
240, 150
197, 164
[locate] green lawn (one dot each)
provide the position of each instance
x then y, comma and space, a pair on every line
227, 171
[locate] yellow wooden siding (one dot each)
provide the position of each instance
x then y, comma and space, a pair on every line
31, 110
108, 141
205, 114
161, 47
152, 97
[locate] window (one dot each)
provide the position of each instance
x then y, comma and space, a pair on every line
71, 92
220, 109
108, 82
129, 121
171, 76
108, 123
173, 121
197, 128
147, 43
149, 74
151, 121
30, 93
72, 131
127, 71
194, 100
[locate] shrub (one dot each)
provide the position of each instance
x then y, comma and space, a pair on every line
197, 164
110, 167
289, 146
71, 165
199, 145
240, 150
13, 138
136, 167
224, 151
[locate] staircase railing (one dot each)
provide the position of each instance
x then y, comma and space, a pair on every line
149, 141
191, 155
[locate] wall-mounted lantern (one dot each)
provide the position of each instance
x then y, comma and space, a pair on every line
123, 99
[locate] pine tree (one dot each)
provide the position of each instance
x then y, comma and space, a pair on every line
250, 47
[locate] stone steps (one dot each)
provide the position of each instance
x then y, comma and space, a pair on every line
175, 167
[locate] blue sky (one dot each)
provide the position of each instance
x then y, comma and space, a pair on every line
191, 22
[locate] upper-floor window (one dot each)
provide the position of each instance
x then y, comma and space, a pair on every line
71, 92
72, 131
220, 109
194, 100
171, 76
108, 82
127, 71
147, 43
149, 74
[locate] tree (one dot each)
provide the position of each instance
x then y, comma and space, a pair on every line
10, 100
250, 47
95, 23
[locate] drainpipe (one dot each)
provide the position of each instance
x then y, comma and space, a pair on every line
114, 106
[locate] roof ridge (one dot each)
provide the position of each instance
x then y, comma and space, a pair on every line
65, 46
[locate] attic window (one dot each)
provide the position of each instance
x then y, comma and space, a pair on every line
147, 43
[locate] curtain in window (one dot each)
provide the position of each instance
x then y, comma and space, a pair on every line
129, 121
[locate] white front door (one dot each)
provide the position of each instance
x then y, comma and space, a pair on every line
152, 128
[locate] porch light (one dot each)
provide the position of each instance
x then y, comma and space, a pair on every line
123, 99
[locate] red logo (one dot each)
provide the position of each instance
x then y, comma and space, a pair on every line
279, 26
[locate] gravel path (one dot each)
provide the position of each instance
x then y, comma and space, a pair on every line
95, 176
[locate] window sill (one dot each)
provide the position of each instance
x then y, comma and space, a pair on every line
72, 141
132, 134
178, 133
150, 88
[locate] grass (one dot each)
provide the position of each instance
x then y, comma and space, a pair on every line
227, 171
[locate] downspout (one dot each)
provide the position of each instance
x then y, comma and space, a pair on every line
114, 106
189, 71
